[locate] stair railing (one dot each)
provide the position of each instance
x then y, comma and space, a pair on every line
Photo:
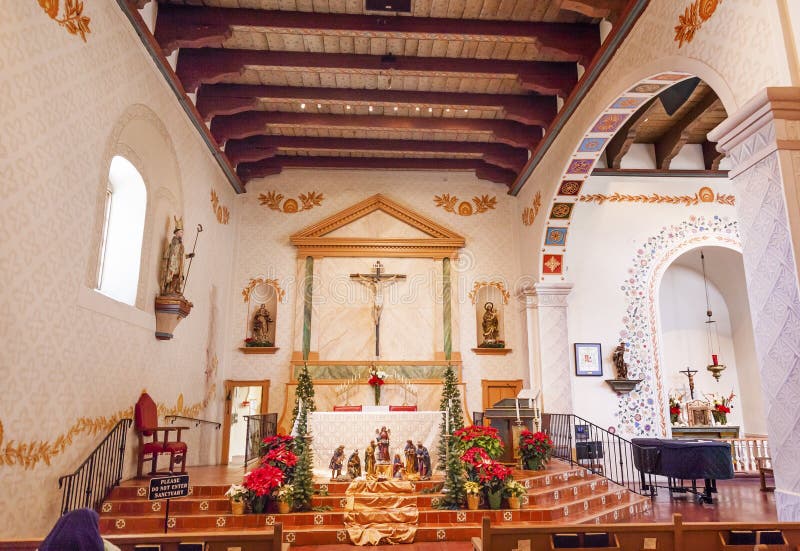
89, 485
581, 442
258, 428
195, 420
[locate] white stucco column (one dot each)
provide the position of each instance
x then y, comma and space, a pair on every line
548, 345
762, 141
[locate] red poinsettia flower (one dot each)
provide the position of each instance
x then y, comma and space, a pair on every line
375, 381
675, 410
263, 480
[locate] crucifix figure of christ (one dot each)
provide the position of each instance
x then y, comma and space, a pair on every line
375, 282
690, 373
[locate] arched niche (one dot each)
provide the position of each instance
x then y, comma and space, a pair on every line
260, 292
489, 300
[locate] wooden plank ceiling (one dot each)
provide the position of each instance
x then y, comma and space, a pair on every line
454, 85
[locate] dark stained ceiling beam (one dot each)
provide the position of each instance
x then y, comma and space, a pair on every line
711, 157
625, 136
192, 27
228, 99
670, 144
607, 9
253, 123
264, 147
211, 65
274, 165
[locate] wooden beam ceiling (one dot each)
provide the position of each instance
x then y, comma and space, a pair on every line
625, 137
193, 27
670, 144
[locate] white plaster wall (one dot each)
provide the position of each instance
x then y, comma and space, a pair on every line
603, 242
71, 357
263, 248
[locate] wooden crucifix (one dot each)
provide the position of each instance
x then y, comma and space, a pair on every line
690, 373
375, 282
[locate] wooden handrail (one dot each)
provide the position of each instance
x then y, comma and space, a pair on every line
746, 453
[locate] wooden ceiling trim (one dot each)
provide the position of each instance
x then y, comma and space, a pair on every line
669, 145
711, 157
274, 165
191, 27
622, 140
263, 147
244, 125
211, 65
228, 99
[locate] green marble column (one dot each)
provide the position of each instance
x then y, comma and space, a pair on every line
308, 284
446, 309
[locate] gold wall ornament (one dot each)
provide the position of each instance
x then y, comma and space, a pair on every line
450, 203
697, 13
29, 454
529, 213
275, 201
704, 195
222, 213
263, 281
73, 19
499, 285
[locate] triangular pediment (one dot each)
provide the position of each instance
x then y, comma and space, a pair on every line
413, 235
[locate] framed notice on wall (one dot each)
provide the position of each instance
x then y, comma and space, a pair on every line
588, 359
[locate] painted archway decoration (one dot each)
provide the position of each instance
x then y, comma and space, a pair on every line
642, 411
582, 162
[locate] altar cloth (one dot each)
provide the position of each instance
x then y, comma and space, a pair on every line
355, 430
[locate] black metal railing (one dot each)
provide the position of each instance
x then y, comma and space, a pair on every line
581, 442
102, 470
194, 420
258, 428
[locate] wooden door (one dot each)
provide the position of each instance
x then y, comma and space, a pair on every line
494, 391
226, 420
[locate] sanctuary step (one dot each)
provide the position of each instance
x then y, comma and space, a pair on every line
559, 494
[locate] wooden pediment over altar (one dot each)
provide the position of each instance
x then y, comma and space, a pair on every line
420, 237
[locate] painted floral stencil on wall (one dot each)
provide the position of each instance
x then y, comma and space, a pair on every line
641, 412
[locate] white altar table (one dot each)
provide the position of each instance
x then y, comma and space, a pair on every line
355, 429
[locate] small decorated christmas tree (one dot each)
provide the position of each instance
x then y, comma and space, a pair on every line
451, 401
304, 392
304, 477
453, 489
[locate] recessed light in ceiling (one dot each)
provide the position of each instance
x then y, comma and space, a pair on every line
388, 5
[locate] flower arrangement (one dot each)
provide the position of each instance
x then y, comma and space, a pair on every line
250, 342
476, 436
237, 492
722, 407
484, 471
263, 480
675, 408
472, 488
514, 489
376, 380
285, 493
536, 448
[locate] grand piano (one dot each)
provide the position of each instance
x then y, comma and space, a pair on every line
682, 461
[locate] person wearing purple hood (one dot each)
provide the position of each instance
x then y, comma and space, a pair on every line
78, 530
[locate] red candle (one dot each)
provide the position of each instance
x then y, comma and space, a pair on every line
714, 359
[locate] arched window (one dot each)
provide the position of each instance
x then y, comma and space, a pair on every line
123, 228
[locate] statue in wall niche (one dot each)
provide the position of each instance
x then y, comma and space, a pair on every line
618, 357
261, 321
490, 324
172, 265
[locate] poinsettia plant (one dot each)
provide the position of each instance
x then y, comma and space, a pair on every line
376, 377
723, 404
264, 480
536, 449
477, 436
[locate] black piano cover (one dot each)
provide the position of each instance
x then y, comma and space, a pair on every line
685, 459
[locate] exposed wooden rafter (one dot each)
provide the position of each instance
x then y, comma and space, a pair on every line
229, 99
670, 144
274, 165
264, 147
711, 157
624, 138
211, 65
244, 125
192, 27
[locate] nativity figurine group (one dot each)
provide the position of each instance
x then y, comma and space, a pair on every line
416, 464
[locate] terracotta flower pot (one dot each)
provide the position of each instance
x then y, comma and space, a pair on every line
237, 507
514, 503
284, 507
473, 500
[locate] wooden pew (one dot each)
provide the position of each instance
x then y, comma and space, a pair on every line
674, 536
267, 540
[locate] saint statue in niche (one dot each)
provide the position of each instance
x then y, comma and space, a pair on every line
172, 263
261, 321
382, 439
490, 324
619, 361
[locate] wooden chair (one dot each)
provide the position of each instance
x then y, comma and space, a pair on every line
146, 425
764, 465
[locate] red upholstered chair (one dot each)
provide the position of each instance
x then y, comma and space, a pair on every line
150, 447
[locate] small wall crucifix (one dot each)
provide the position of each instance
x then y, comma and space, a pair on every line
375, 282
690, 373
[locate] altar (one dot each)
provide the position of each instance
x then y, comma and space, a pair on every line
354, 430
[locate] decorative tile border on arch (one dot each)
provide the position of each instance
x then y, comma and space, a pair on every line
641, 412
580, 165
